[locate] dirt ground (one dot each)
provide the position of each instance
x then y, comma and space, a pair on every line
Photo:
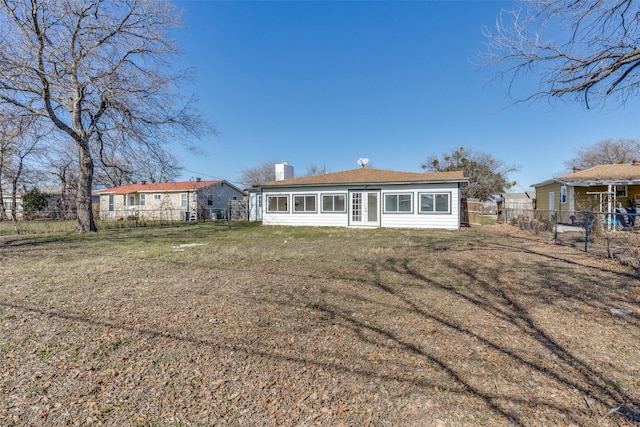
260, 326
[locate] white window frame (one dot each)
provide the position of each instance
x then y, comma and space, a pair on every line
112, 203
143, 199
434, 194
622, 192
396, 209
304, 197
157, 197
333, 197
278, 206
184, 198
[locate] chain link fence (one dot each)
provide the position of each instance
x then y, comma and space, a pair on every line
614, 235
51, 221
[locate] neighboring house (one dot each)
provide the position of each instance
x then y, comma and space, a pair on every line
518, 203
602, 188
361, 197
190, 200
511, 206
53, 194
8, 205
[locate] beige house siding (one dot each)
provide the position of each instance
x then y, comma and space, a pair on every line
584, 198
157, 206
542, 196
8, 202
592, 201
581, 199
167, 205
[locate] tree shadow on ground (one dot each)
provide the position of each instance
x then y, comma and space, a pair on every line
449, 346
484, 290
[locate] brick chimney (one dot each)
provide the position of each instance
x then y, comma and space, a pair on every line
576, 169
636, 162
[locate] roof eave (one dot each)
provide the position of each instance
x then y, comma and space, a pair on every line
365, 183
549, 181
592, 183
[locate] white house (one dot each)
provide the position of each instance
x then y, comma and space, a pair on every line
362, 197
190, 200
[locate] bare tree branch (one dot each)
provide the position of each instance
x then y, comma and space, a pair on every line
585, 50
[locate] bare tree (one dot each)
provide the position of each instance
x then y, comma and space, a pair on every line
584, 50
100, 72
264, 172
314, 169
487, 175
117, 167
62, 164
605, 152
20, 136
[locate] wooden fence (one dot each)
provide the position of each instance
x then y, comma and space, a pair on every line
470, 211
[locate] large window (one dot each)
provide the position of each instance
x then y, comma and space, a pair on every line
435, 203
111, 203
183, 200
277, 204
334, 203
143, 199
398, 203
304, 203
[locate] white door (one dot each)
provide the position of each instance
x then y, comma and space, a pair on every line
364, 208
552, 202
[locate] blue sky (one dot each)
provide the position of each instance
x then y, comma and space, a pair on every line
326, 83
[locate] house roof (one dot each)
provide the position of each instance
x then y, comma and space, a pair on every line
616, 174
368, 176
527, 195
159, 187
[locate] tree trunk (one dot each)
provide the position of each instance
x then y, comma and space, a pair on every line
3, 211
86, 222
14, 203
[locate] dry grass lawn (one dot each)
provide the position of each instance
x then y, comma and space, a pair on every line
212, 324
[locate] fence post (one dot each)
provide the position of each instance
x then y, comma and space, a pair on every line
586, 230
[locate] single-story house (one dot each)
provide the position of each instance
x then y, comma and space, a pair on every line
362, 197
54, 208
190, 200
602, 188
7, 201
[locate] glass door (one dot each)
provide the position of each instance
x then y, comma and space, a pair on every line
364, 208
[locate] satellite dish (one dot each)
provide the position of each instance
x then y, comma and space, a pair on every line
363, 161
